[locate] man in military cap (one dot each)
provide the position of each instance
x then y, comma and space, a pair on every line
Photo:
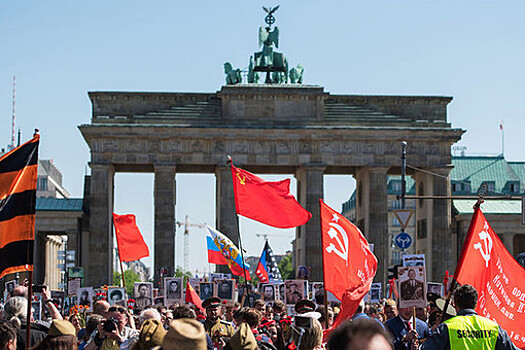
218, 329
303, 306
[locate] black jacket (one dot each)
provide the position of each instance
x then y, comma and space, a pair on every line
38, 332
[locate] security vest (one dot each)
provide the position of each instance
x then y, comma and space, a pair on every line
472, 332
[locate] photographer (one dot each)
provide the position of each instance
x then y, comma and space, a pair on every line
114, 332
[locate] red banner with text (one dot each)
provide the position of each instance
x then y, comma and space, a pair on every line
486, 264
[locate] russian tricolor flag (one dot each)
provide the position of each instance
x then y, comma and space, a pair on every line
222, 251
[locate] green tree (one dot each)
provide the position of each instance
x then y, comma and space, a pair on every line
286, 267
130, 277
179, 272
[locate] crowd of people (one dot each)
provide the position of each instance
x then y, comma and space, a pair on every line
262, 325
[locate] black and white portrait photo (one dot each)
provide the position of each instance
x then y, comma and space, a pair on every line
281, 291
294, 291
143, 293
435, 288
412, 286
268, 291
85, 297
9, 286
375, 293
318, 292
115, 295
225, 289
172, 289
206, 290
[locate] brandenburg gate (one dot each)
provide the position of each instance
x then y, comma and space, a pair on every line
279, 127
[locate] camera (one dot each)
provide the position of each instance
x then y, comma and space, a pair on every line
38, 288
303, 322
110, 325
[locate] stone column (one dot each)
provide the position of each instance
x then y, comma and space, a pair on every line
441, 238
164, 197
372, 213
308, 249
100, 268
508, 242
225, 213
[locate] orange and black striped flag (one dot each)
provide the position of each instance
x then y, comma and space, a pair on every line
18, 176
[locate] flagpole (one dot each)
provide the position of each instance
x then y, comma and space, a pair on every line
322, 257
461, 258
30, 272
121, 266
229, 162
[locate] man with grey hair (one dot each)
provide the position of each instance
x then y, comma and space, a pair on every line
147, 314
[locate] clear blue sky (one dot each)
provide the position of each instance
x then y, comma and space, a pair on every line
59, 50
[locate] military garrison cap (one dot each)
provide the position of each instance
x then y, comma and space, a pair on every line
304, 305
211, 302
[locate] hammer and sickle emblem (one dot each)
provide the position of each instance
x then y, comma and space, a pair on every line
241, 178
485, 248
335, 231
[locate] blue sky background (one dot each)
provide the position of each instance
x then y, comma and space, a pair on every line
59, 50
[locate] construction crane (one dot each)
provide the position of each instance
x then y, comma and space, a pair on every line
186, 247
266, 235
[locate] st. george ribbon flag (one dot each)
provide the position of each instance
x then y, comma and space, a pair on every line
222, 251
349, 266
131, 245
499, 279
267, 269
18, 177
269, 202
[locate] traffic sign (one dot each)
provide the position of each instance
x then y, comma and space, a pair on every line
403, 215
403, 240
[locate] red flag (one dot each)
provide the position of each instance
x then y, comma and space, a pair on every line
269, 202
349, 266
499, 279
193, 297
131, 245
347, 259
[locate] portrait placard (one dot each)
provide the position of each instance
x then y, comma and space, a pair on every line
206, 290
294, 291
436, 288
268, 291
226, 289
172, 290
143, 294
318, 292
115, 295
73, 285
10, 285
375, 293
85, 297
412, 286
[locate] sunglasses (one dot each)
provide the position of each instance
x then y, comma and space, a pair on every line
118, 309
